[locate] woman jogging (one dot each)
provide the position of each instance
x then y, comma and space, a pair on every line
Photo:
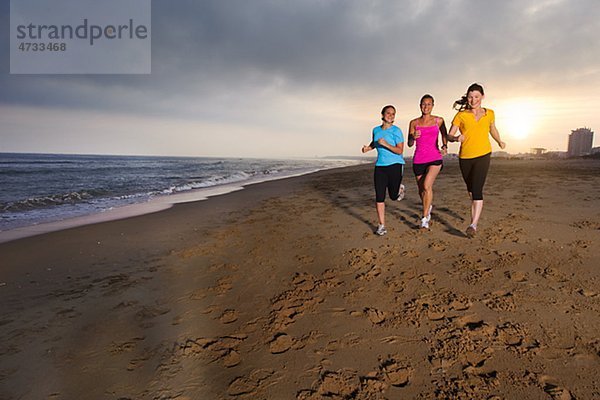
427, 160
389, 142
475, 124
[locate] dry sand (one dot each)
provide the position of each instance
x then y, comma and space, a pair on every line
282, 291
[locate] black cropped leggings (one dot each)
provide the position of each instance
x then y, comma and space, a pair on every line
387, 177
474, 171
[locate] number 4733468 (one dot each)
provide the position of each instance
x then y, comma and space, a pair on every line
25, 46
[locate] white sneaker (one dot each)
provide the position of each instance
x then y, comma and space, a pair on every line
381, 230
424, 223
429, 213
401, 192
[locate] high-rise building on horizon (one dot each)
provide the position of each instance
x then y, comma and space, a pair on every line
580, 142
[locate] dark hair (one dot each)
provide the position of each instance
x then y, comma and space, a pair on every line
427, 96
462, 103
384, 109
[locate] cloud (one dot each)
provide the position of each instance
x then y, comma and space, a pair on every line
269, 62
203, 49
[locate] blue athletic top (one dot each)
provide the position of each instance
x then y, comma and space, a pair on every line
393, 135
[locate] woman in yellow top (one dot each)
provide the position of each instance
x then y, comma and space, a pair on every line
475, 124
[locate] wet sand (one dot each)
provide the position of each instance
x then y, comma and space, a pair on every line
282, 291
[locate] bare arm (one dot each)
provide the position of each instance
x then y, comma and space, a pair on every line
398, 149
444, 135
496, 135
411, 133
368, 147
452, 136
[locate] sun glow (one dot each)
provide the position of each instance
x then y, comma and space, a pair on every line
518, 118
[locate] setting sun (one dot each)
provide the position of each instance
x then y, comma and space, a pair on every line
518, 118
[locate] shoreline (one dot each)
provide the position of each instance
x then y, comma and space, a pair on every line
283, 291
153, 205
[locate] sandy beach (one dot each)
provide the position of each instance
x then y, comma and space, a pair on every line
282, 291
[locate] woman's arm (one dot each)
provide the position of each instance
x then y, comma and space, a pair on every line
411, 133
398, 149
496, 135
452, 136
444, 135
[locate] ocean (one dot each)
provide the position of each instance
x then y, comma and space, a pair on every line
42, 188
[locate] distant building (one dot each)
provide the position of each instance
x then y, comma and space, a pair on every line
580, 142
537, 151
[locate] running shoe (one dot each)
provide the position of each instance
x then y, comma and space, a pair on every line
381, 230
471, 231
401, 192
424, 223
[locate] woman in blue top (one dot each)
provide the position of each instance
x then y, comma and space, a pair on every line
389, 142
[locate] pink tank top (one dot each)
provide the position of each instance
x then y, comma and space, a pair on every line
426, 145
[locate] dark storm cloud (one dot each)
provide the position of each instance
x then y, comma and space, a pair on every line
208, 53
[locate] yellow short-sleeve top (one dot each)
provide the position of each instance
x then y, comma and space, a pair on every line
476, 133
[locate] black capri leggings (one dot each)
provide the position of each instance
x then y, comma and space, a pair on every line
387, 177
474, 171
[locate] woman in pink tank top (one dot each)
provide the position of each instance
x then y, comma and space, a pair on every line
427, 160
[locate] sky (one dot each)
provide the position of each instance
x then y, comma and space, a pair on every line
282, 79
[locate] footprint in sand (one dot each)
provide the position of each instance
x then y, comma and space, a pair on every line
374, 315
281, 343
198, 294
514, 337
343, 384
228, 316
304, 282
471, 322
500, 300
305, 259
410, 254
581, 244
516, 276
397, 373
554, 389
246, 385
223, 285
125, 347
507, 259
361, 257
434, 315
552, 274
394, 284
460, 303
427, 279
438, 245
149, 312
371, 274
224, 348
586, 224
587, 292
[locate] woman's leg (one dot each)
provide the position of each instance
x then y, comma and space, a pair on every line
394, 176
380, 212
429, 179
380, 179
466, 168
476, 209
419, 179
478, 177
